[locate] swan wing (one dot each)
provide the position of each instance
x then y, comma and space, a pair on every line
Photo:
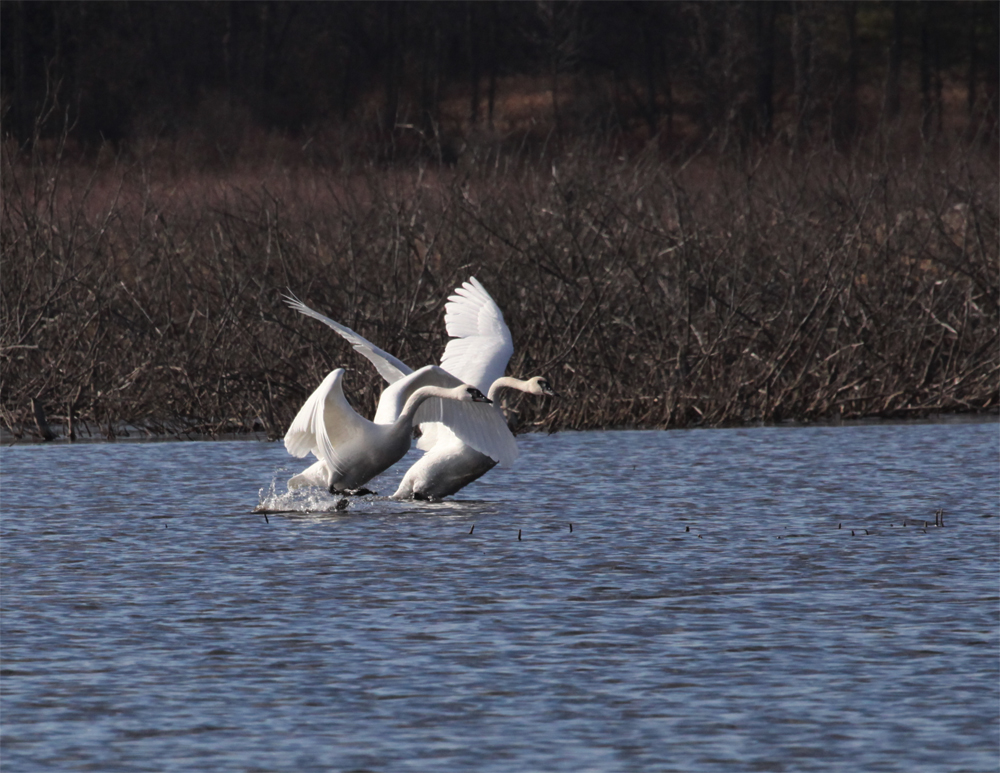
389, 367
479, 425
324, 422
481, 344
432, 433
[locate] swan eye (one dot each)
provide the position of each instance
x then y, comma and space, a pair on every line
546, 388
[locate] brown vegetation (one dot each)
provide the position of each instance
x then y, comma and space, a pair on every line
759, 287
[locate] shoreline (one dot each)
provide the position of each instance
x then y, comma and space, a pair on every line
134, 434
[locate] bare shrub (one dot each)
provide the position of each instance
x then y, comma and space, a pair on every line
654, 294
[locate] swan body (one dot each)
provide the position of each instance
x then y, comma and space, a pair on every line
352, 450
450, 464
477, 354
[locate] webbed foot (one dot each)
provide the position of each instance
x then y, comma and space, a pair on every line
358, 492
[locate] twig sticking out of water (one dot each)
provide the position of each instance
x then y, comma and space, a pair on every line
939, 517
571, 527
265, 518
518, 535
472, 529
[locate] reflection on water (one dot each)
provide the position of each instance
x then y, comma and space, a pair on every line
682, 601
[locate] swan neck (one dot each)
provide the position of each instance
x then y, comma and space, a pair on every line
505, 382
418, 396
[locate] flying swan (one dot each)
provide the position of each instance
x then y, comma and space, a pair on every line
478, 352
352, 450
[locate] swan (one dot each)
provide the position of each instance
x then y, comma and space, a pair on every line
480, 348
450, 464
352, 450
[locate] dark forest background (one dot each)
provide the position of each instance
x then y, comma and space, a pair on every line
690, 213
426, 76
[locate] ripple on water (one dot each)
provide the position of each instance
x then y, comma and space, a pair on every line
726, 599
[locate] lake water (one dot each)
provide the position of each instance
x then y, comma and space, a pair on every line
726, 600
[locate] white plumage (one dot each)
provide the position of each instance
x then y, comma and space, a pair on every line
351, 450
477, 354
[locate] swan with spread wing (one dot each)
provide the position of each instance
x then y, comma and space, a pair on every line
351, 450
477, 354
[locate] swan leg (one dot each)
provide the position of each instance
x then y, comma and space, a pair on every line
405, 490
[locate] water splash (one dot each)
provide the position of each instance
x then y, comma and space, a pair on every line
303, 500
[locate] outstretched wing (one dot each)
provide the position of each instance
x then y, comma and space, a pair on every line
322, 423
479, 425
481, 344
389, 367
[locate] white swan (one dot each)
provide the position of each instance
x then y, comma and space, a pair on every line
480, 348
352, 450
450, 464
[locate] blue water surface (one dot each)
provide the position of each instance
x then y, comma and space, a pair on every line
774, 599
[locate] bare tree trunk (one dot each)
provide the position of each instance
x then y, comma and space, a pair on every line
349, 73
472, 37
668, 90
652, 112
393, 36
428, 76
973, 71
938, 81
709, 33
20, 101
926, 103
851, 102
991, 84
494, 27
560, 20
765, 13
554, 75
892, 85
802, 55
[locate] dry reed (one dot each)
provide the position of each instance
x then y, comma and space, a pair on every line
653, 294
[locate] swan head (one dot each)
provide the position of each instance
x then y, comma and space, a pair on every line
539, 385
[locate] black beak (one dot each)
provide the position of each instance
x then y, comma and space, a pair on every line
479, 397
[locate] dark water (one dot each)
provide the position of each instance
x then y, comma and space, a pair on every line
705, 613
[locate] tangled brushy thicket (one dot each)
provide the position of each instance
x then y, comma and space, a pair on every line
652, 294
